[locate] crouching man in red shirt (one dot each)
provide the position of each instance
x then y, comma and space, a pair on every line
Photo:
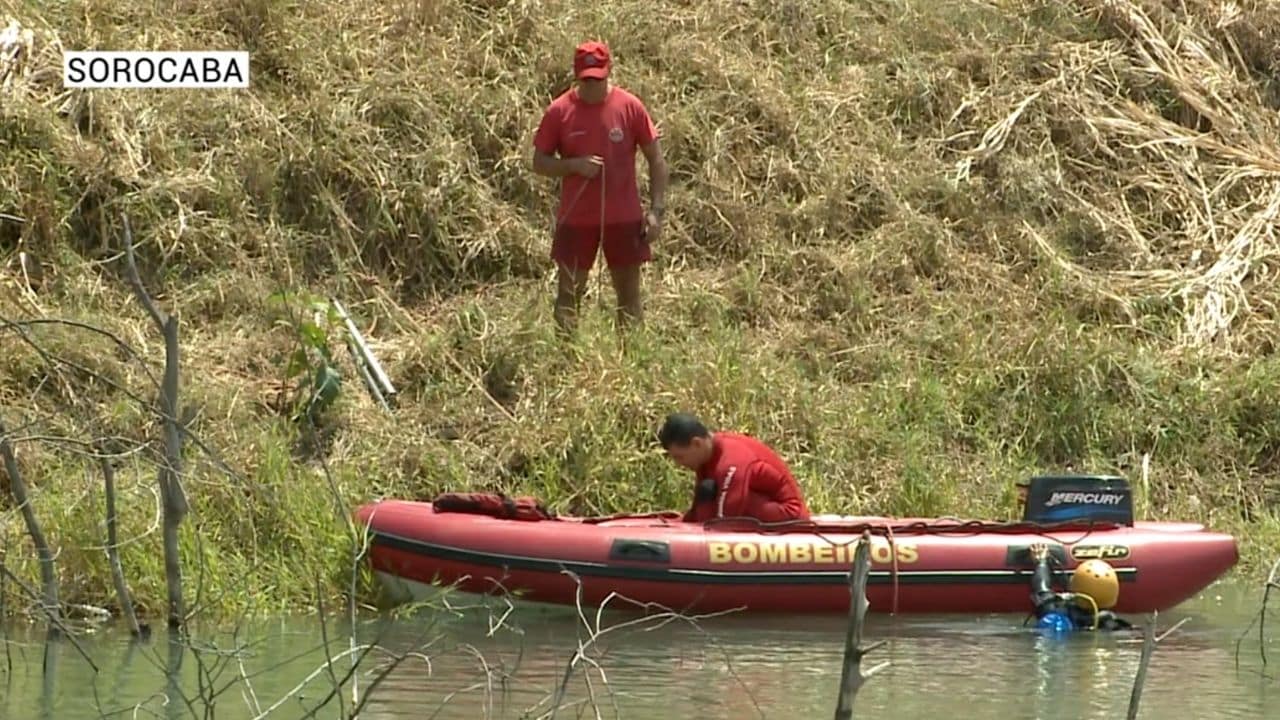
735, 475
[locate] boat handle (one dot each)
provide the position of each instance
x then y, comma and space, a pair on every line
640, 550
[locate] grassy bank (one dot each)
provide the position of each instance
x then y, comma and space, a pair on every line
925, 249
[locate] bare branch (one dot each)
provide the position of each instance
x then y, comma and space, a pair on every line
851, 676
95, 448
1148, 646
377, 680
18, 488
120, 344
4, 576
361, 650
595, 633
1149, 642
1171, 630
113, 549
135, 280
184, 423
55, 619
1261, 616
324, 636
170, 475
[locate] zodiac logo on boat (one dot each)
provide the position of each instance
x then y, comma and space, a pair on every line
808, 552
1099, 552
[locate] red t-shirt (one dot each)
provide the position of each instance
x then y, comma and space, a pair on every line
751, 481
613, 130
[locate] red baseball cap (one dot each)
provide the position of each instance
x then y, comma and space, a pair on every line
591, 60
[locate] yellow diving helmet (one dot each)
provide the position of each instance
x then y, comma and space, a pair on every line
1097, 579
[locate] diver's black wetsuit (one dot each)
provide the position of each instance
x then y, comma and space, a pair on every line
1046, 601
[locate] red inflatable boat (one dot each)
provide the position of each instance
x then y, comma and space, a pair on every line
918, 565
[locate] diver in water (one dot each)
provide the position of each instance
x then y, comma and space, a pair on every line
1093, 590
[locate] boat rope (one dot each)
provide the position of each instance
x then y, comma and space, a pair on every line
675, 516
893, 553
921, 527
889, 530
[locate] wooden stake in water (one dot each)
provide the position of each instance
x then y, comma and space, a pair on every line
851, 676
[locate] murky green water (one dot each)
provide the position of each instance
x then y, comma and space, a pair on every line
728, 667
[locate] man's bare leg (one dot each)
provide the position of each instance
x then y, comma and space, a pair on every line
571, 285
626, 284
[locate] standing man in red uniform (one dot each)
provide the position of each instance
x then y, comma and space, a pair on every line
588, 137
736, 475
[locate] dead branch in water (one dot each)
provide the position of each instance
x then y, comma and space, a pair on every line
170, 476
1149, 642
595, 632
113, 548
4, 577
1261, 616
57, 629
18, 488
1148, 646
851, 676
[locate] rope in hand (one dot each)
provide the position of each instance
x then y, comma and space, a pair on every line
600, 246
558, 220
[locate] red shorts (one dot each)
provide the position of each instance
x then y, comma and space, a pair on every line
625, 245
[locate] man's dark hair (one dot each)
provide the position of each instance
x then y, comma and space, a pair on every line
681, 429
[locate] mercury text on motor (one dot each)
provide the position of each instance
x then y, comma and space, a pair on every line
1090, 498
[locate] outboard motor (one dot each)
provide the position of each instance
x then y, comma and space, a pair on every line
1061, 498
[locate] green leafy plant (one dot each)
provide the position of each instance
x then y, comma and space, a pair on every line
311, 369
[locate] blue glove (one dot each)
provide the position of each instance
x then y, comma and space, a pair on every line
1056, 622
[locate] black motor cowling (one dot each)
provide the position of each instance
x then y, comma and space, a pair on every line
1063, 498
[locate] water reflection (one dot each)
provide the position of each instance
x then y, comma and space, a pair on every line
982, 668
726, 667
